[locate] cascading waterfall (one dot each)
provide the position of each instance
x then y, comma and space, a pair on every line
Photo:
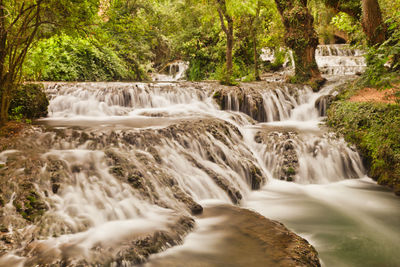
139, 159
340, 60
337, 59
175, 71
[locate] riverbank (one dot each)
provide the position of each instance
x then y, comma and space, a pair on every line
370, 119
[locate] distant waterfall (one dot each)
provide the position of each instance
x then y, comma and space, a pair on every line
337, 59
173, 72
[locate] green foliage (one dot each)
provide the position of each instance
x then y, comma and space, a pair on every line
136, 30
63, 58
375, 129
31, 206
16, 114
28, 102
128, 39
383, 60
350, 25
222, 75
344, 22
397, 97
202, 42
280, 57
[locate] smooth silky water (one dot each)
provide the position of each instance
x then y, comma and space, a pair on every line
348, 218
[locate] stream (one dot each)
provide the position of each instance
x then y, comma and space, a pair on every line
135, 158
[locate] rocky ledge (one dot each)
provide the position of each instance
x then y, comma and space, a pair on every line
245, 238
259, 100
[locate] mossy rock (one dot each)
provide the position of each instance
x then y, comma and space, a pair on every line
375, 129
30, 206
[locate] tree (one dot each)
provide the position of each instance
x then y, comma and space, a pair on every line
372, 22
366, 11
20, 23
228, 30
254, 31
255, 25
302, 39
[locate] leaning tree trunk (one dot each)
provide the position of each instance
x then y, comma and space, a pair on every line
372, 22
301, 37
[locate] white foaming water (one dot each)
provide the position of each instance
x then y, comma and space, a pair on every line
175, 71
4, 155
279, 103
93, 196
117, 99
96, 208
340, 60
337, 59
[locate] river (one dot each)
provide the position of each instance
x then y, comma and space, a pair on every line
127, 159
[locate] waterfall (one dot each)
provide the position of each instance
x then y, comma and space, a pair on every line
337, 59
174, 71
127, 165
340, 60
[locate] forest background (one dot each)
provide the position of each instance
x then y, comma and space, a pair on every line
128, 40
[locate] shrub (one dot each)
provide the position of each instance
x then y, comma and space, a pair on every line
384, 60
64, 58
28, 102
375, 129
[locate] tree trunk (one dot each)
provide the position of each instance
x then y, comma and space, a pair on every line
256, 70
228, 29
3, 53
229, 48
372, 22
301, 37
3, 111
5, 102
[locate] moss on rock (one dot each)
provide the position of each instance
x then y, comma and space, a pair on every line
375, 129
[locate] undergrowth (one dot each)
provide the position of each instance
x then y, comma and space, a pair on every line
375, 129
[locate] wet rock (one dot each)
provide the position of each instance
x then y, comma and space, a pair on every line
193, 206
248, 98
196, 209
268, 243
137, 158
117, 171
30, 206
233, 193
137, 252
135, 179
55, 188
3, 229
287, 162
323, 103
256, 177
